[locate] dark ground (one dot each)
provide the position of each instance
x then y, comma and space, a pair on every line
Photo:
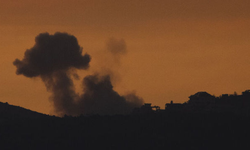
166, 130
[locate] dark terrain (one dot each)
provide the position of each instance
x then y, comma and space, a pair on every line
169, 129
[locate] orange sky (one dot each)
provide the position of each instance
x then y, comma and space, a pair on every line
175, 47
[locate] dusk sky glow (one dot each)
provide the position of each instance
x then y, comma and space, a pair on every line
175, 48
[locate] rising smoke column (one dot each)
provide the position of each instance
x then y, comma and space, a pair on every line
98, 93
99, 97
54, 58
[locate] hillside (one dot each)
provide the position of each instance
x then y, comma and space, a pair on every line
16, 112
25, 129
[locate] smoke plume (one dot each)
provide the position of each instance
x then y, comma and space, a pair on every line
55, 58
117, 48
99, 97
112, 54
52, 53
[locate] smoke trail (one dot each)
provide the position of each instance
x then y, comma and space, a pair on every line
54, 58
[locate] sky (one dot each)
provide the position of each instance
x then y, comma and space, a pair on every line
175, 48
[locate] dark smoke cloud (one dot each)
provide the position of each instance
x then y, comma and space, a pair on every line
63, 95
99, 97
55, 58
52, 53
